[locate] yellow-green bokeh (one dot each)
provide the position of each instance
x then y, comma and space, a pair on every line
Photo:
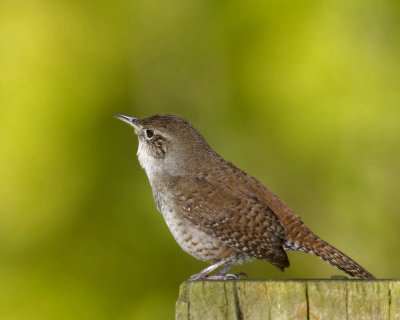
303, 95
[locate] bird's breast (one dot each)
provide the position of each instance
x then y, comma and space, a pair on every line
191, 238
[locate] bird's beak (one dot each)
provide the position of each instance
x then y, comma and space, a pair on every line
133, 122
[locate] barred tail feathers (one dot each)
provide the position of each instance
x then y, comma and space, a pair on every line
309, 242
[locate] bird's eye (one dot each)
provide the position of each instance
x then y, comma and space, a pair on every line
150, 134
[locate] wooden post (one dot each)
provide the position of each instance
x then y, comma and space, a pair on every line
289, 299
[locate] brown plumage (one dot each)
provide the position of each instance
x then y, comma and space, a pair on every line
217, 212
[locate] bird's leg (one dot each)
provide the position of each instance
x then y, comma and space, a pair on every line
221, 275
224, 270
203, 274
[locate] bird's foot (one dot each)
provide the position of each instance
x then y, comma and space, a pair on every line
241, 275
228, 276
221, 275
198, 276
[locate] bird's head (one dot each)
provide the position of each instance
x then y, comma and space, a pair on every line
167, 142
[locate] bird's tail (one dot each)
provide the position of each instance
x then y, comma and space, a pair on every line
309, 242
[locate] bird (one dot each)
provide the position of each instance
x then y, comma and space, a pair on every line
217, 212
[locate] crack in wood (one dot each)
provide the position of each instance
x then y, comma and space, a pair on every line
307, 304
237, 302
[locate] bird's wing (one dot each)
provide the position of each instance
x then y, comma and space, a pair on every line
237, 218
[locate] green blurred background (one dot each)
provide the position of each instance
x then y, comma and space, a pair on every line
303, 95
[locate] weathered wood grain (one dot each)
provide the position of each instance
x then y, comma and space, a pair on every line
327, 299
394, 308
368, 298
288, 300
291, 299
249, 307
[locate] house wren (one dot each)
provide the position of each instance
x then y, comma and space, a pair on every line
217, 212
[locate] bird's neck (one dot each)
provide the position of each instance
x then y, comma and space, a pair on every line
175, 163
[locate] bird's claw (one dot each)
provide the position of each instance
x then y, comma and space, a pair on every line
198, 276
228, 276
236, 276
242, 275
